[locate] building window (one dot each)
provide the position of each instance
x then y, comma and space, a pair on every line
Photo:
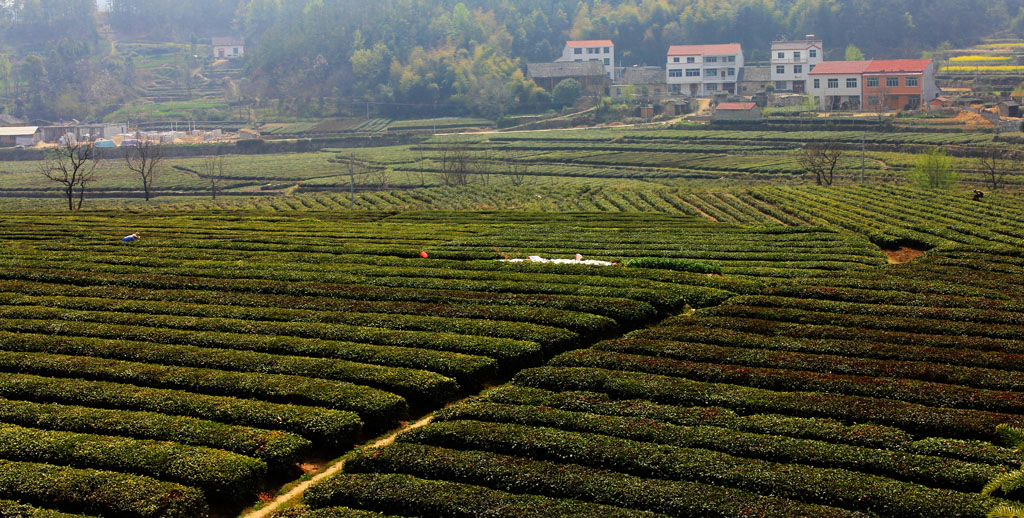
780, 69
872, 82
731, 59
811, 69
892, 81
607, 50
692, 72
676, 72
607, 61
731, 72
912, 81
798, 69
711, 59
782, 55
851, 82
813, 53
578, 60
711, 87
710, 72
796, 55
817, 83
577, 51
780, 85
235, 50
833, 83
675, 60
691, 60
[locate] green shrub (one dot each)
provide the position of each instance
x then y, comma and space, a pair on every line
669, 263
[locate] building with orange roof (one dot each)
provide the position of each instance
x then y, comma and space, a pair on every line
602, 51
899, 84
701, 70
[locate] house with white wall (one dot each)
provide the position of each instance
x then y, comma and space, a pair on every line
602, 51
838, 85
228, 48
702, 70
793, 61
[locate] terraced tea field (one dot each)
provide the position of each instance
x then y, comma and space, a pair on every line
185, 373
856, 393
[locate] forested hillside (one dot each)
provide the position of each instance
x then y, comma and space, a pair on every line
423, 56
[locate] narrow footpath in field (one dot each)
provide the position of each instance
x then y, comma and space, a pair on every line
297, 491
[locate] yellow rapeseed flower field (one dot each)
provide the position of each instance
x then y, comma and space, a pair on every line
978, 59
985, 69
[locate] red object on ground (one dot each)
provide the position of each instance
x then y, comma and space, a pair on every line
424, 255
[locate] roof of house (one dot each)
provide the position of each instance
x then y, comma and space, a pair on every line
755, 74
10, 120
643, 76
590, 43
1009, 103
840, 68
940, 99
566, 69
796, 45
736, 106
898, 65
705, 50
228, 41
19, 131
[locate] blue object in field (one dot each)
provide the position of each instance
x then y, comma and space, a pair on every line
105, 144
130, 239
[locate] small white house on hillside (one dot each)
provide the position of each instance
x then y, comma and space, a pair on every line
602, 51
703, 70
228, 48
838, 85
793, 61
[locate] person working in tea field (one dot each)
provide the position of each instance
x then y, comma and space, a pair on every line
131, 239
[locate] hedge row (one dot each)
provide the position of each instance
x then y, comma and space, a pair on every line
103, 493
819, 429
302, 511
411, 383
837, 362
333, 332
912, 391
275, 447
527, 476
322, 424
553, 338
209, 469
12, 509
583, 323
825, 486
411, 496
932, 421
667, 263
929, 470
623, 310
697, 332
984, 315
444, 354
371, 404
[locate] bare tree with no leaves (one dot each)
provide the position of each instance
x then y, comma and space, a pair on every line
995, 165
212, 169
73, 165
143, 159
455, 164
517, 170
821, 159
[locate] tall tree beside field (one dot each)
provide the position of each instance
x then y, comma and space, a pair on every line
933, 169
72, 165
821, 159
144, 160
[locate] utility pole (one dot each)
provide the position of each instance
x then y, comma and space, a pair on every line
352, 179
862, 159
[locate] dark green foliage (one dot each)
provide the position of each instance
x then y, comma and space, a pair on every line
666, 263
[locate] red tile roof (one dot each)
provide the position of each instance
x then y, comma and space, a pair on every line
880, 66
736, 106
705, 50
590, 43
840, 68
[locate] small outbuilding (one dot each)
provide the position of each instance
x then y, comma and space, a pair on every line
736, 112
590, 74
20, 136
939, 102
228, 47
1009, 109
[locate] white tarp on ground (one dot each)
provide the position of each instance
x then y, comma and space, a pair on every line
539, 259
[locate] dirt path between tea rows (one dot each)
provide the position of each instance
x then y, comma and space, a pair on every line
299, 490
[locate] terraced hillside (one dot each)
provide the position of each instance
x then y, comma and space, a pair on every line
860, 393
187, 372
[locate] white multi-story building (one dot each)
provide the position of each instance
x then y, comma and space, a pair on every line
793, 61
591, 50
701, 70
839, 85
